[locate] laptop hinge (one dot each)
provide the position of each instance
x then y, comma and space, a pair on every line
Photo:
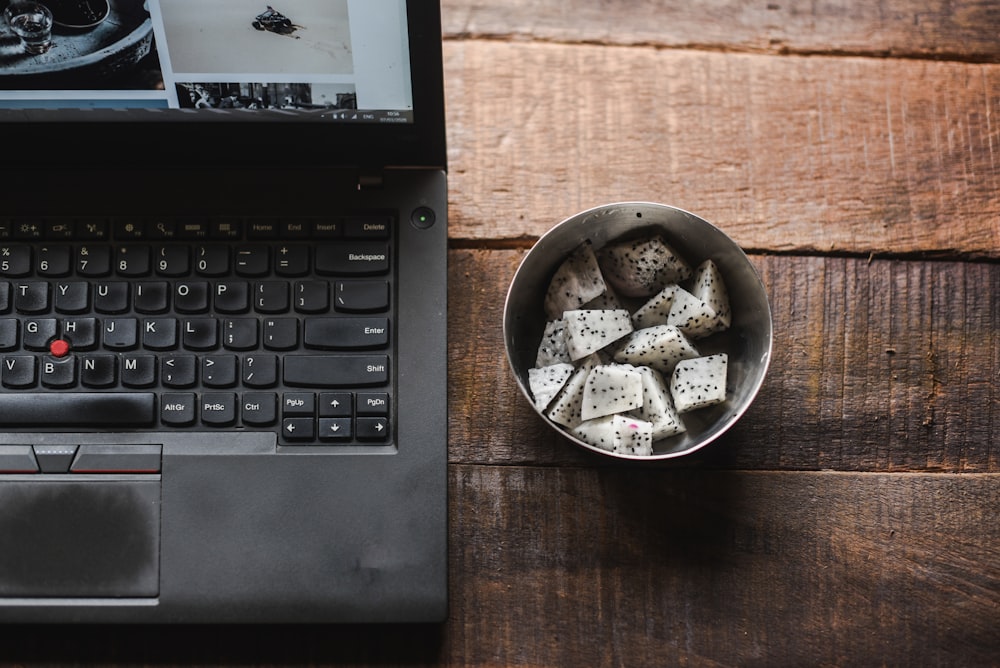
368, 179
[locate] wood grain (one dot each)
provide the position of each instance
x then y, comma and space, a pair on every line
789, 154
963, 30
882, 365
622, 567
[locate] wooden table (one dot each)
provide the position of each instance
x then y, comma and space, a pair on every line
851, 517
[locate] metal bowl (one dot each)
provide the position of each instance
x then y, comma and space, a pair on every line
747, 341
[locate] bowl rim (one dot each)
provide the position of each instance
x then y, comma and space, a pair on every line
731, 418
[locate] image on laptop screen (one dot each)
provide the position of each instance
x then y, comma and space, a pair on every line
341, 61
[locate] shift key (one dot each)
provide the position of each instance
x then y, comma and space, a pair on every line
336, 370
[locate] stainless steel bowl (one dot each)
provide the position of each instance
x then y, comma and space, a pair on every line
747, 341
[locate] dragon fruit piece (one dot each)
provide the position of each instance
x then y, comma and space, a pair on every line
658, 407
642, 267
565, 410
552, 349
611, 388
635, 437
618, 434
656, 310
587, 331
606, 301
660, 347
577, 281
709, 287
699, 382
692, 316
545, 382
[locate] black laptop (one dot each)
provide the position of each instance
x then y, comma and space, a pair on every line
222, 312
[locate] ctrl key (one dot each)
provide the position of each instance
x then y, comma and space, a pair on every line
17, 459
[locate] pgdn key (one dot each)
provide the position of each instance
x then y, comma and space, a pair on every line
336, 370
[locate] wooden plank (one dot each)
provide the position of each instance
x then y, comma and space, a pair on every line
579, 567
885, 365
624, 567
787, 154
963, 30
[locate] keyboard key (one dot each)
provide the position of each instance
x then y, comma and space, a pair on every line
15, 260
358, 296
212, 260
260, 370
335, 404
179, 370
179, 409
373, 404
218, 370
138, 370
151, 297
191, 297
98, 370
31, 297
78, 409
173, 260
312, 296
372, 428
259, 409
111, 297
253, 260
120, 333
292, 260
81, 333
201, 333
334, 429
37, 333
58, 373
298, 404
54, 260
239, 333
18, 371
368, 227
271, 297
93, 260
232, 297
352, 258
299, 428
159, 333
346, 333
73, 297
218, 409
8, 333
335, 370
280, 333
132, 260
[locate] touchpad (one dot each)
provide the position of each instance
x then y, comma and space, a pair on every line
72, 539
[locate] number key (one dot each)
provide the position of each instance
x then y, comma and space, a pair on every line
132, 260
15, 260
93, 260
54, 260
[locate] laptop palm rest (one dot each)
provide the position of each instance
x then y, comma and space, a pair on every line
80, 539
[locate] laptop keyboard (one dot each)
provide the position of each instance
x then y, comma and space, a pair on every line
199, 325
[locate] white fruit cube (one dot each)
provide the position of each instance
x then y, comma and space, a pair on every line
699, 382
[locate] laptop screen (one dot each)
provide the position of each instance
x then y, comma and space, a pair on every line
242, 63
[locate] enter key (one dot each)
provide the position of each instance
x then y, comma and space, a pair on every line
346, 333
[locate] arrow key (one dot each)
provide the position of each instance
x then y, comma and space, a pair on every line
373, 428
298, 429
334, 429
335, 404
